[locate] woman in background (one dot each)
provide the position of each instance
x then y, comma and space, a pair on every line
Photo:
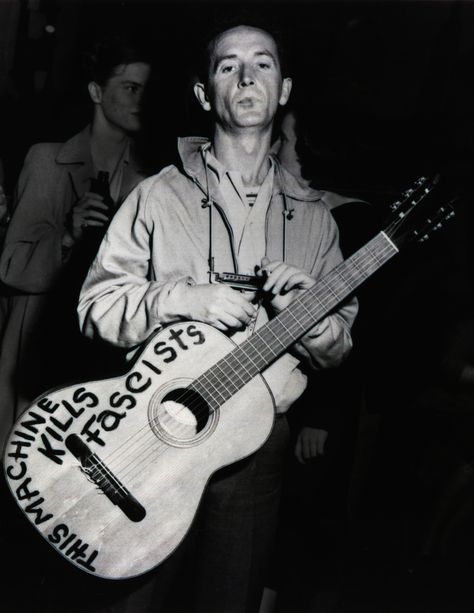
60, 216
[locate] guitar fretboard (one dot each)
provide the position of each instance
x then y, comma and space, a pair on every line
220, 382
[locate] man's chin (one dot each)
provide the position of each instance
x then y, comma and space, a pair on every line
133, 127
251, 119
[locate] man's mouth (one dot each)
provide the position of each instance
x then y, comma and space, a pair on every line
247, 102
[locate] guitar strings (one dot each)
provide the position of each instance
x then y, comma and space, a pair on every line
211, 374
232, 381
327, 292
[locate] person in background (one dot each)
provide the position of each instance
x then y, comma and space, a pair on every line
66, 194
4, 208
4, 216
152, 270
323, 422
356, 222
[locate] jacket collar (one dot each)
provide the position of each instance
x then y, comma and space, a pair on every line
76, 150
190, 150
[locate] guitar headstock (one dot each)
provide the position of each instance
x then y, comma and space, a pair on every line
416, 215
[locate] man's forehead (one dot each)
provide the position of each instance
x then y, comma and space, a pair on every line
244, 38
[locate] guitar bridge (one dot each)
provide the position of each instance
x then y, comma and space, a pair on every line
98, 473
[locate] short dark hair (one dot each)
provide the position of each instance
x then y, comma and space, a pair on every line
106, 54
244, 19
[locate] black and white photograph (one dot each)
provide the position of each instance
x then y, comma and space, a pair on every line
237, 306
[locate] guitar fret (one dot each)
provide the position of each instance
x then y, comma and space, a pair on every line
328, 286
282, 323
201, 388
253, 346
307, 311
208, 377
273, 333
293, 315
249, 357
252, 356
348, 279
226, 376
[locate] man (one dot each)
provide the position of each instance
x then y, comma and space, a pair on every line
229, 206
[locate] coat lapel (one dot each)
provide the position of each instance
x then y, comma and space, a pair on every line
75, 156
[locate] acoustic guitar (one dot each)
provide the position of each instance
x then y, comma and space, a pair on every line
111, 472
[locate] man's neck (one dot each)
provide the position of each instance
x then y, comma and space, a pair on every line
245, 153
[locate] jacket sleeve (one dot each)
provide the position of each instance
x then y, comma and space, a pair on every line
120, 300
328, 343
32, 253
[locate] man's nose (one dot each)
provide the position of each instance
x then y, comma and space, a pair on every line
246, 77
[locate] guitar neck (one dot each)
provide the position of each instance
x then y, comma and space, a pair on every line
231, 373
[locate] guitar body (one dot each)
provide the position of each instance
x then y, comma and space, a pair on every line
111, 472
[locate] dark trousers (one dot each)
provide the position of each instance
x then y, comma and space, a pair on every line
236, 528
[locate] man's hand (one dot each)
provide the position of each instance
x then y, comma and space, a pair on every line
283, 281
89, 210
218, 305
310, 444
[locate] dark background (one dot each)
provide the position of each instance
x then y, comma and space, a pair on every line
388, 89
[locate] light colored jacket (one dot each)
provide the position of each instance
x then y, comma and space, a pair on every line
54, 176
159, 240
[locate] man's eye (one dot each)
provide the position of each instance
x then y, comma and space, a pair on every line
264, 65
227, 69
131, 88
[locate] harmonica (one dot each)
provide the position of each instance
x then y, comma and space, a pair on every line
238, 281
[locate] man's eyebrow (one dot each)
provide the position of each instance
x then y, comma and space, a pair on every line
266, 52
223, 58
233, 56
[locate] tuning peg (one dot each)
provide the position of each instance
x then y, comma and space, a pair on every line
423, 185
442, 215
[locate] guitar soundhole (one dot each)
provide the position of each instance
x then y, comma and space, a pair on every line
181, 416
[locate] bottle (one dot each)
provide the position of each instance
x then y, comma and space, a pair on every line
100, 185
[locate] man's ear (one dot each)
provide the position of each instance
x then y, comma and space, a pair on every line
95, 92
285, 91
200, 93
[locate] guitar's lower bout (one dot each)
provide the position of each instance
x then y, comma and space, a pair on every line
111, 472
180, 416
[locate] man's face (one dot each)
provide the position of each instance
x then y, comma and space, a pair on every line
245, 85
121, 96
